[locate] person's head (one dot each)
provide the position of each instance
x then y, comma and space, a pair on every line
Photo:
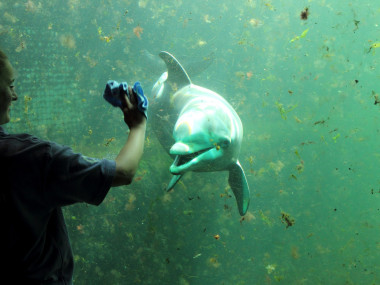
7, 92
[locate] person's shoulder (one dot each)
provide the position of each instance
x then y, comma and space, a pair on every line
21, 138
26, 138
16, 143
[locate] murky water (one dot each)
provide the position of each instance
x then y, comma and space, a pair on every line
306, 91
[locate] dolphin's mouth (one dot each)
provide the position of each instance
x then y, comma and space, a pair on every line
183, 162
182, 159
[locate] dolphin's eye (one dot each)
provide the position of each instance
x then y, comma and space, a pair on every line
224, 143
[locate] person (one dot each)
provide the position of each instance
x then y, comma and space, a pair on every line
38, 178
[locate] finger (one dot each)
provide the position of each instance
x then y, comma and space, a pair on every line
132, 96
124, 102
127, 105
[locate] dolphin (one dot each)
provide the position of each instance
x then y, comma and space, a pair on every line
198, 128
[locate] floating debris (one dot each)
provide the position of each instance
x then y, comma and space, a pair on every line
305, 14
143, 3
216, 236
10, 18
296, 38
201, 43
321, 122
109, 141
307, 143
80, 228
197, 255
255, 22
276, 166
374, 191
374, 46
284, 111
335, 137
270, 268
140, 176
356, 22
248, 217
107, 39
287, 219
67, 41
27, 99
21, 47
138, 31
265, 218
207, 19
376, 96
213, 262
270, 6
300, 167
293, 176
294, 252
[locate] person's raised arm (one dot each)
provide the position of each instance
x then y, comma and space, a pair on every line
129, 157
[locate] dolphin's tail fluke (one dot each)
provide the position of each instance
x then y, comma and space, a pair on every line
239, 186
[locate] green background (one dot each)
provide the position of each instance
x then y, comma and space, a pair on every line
305, 91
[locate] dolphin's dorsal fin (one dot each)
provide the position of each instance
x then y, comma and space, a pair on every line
177, 75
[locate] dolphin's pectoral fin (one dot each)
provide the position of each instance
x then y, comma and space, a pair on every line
176, 73
173, 182
239, 186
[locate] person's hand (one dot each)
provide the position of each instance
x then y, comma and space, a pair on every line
132, 116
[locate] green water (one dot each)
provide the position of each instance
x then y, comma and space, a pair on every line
305, 91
